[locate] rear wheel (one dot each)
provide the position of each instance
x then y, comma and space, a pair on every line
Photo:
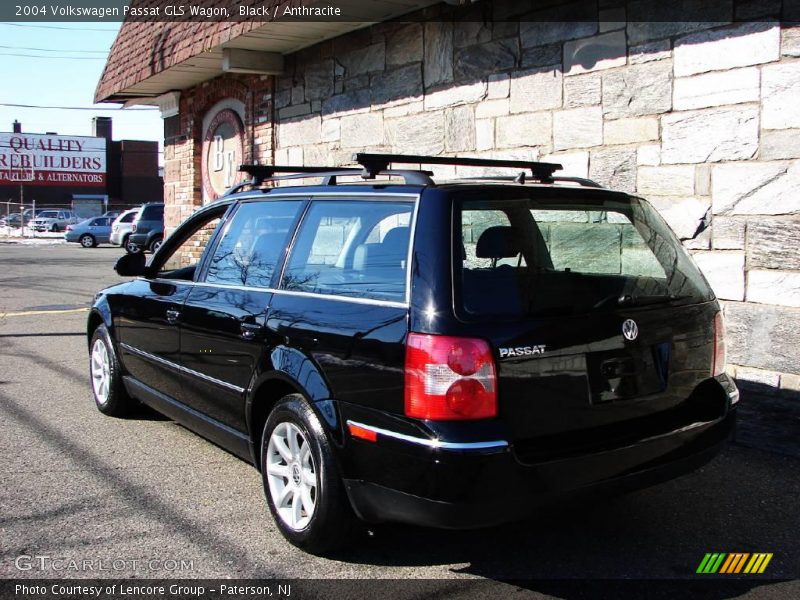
156, 244
129, 246
87, 241
304, 490
106, 374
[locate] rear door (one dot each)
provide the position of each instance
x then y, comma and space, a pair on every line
342, 302
597, 315
223, 335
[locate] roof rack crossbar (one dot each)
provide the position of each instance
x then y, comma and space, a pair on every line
376, 163
264, 173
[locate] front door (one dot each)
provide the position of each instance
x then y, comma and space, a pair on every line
223, 334
149, 321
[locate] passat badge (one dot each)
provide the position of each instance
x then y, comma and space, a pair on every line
630, 329
522, 351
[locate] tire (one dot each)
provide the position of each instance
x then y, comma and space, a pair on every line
304, 474
87, 241
129, 246
155, 244
54, 228
111, 399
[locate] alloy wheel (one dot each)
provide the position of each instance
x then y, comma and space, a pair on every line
101, 371
291, 475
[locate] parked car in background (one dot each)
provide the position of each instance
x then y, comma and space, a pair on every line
121, 230
147, 231
89, 233
11, 220
29, 214
53, 220
112, 213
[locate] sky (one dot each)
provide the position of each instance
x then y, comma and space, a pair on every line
61, 66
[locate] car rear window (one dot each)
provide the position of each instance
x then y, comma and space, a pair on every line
530, 257
153, 212
357, 249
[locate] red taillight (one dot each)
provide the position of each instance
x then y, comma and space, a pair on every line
69, 227
449, 378
720, 352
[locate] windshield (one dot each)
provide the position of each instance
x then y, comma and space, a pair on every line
48, 215
534, 257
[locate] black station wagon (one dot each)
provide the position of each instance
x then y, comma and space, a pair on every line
445, 354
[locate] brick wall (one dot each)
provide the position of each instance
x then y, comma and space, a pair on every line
183, 137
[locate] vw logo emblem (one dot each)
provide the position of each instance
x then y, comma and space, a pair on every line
630, 329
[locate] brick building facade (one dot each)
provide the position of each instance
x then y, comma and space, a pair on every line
701, 117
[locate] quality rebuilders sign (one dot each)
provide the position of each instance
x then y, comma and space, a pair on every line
66, 160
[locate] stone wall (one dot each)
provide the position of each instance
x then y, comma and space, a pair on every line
702, 118
704, 121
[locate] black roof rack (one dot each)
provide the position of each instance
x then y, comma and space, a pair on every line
373, 165
376, 163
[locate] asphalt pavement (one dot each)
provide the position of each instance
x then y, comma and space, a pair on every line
163, 502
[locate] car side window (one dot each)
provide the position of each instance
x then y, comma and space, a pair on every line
181, 262
357, 249
252, 246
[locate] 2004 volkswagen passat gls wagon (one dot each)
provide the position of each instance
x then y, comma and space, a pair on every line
445, 354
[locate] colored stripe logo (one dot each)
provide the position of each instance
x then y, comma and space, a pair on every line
734, 563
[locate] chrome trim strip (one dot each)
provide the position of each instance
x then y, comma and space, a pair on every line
436, 444
371, 301
246, 288
177, 367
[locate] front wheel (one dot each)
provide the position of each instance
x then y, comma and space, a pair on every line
104, 368
156, 244
304, 490
54, 228
87, 241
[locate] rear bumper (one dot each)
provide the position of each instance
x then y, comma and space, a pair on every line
140, 239
459, 489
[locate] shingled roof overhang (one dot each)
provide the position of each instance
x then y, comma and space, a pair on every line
149, 59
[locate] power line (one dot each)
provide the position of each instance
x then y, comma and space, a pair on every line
54, 50
51, 57
119, 108
56, 27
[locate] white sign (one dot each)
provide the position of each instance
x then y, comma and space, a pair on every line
52, 159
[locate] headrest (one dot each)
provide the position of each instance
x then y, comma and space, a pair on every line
396, 239
497, 242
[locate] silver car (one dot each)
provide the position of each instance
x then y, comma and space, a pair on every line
121, 229
89, 233
53, 220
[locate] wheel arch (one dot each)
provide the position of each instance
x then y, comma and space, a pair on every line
99, 315
267, 391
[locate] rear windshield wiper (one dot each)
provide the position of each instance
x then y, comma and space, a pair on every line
627, 300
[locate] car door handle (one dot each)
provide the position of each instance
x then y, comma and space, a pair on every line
172, 316
250, 330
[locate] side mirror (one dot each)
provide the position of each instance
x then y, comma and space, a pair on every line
131, 265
